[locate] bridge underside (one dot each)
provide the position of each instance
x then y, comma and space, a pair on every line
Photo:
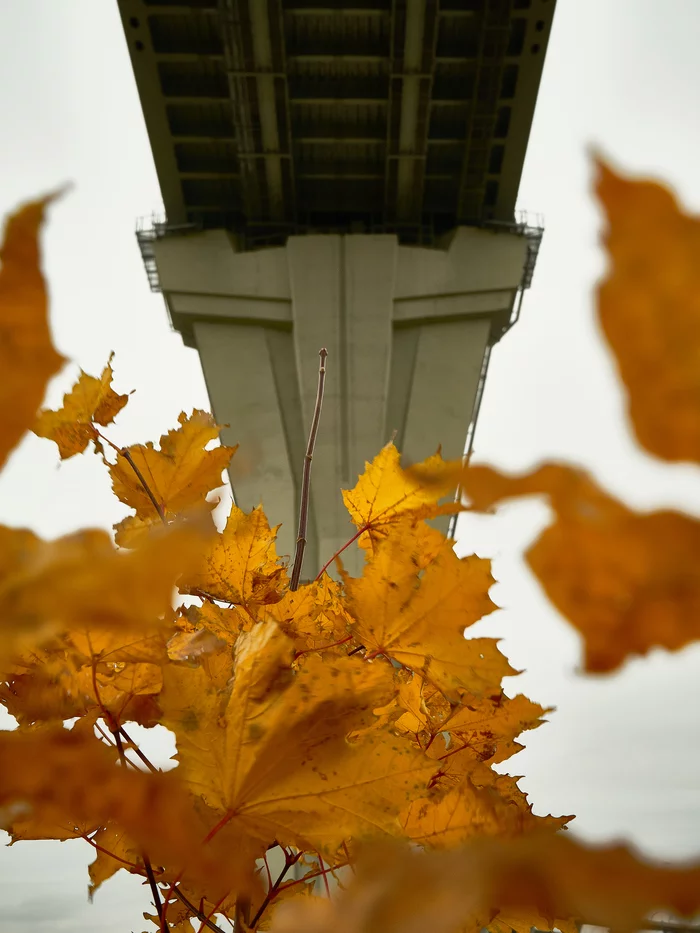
279, 117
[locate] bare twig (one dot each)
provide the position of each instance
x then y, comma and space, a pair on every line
195, 911
156, 505
137, 751
124, 452
213, 911
154, 890
306, 477
272, 891
146, 861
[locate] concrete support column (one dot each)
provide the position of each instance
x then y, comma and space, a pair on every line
406, 329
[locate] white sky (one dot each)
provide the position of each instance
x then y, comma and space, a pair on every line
621, 751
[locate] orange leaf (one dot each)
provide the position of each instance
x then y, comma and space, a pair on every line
313, 616
90, 401
444, 820
55, 772
627, 581
486, 729
649, 309
269, 748
545, 874
28, 358
83, 581
241, 565
418, 618
114, 851
386, 493
179, 475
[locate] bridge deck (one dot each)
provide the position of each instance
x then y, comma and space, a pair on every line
271, 117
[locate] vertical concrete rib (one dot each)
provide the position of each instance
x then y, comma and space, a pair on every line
238, 370
369, 282
342, 298
443, 390
314, 277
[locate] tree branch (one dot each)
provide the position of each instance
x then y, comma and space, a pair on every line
306, 478
195, 911
156, 505
137, 751
124, 452
146, 861
289, 862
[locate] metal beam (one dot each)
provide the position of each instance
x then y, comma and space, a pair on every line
267, 106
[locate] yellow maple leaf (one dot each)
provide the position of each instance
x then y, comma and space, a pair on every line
541, 874
114, 851
387, 493
649, 310
83, 581
194, 640
84, 672
447, 819
418, 618
225, 624
460, 769
477, 729
270, 750
486, 728
28, 358
626, 580
91, 401
24, 828
241, 564
313, 616
179, 475
65, 776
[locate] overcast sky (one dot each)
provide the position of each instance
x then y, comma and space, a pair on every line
621, 752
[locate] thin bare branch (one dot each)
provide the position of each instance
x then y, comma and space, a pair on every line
146, 861
272, 891
156, 505
195, 911
154, 890
137, 751
306, 477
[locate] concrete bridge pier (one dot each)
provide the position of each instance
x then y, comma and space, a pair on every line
408, 330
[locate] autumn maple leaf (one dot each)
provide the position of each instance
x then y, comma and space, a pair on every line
267, 751
82, 580
649, 310
418, 616
386, 493
397, 891
28, 358
626, 580
91, 401
161, 483
241, 565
